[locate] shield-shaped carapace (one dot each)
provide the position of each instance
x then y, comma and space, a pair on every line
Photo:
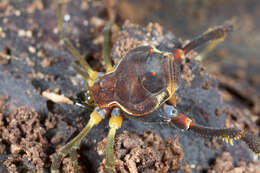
141, 82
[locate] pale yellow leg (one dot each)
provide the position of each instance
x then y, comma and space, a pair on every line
91, 74
70, 148
59, 16
106, 47
115, 123
74, 160
212, 45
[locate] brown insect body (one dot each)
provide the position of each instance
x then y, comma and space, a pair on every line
141, 82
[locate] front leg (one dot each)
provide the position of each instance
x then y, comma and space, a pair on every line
228, 134
115, 122
70, 148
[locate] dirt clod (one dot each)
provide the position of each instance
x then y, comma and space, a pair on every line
224, 163
23, 136
144, 153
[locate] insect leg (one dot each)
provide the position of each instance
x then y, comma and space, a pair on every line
91, 74
106, 46
83, 73
96, 116
215, 35
227, 134
115, 122
74, 160
59, 16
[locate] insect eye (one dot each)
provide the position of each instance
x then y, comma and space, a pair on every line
153, 82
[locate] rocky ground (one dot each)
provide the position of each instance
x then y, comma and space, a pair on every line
222, 91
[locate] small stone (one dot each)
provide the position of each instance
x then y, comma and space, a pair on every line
29, 34
15, 148
21, 33
17, 13
32, 49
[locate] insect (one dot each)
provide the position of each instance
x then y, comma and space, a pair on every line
139, 84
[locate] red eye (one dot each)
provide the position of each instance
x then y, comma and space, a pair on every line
153, 73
